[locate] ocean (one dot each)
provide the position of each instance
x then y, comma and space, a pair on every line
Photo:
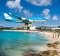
16, 43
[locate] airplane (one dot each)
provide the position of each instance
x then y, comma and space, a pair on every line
17, 19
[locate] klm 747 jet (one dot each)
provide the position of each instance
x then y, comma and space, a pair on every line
17, 19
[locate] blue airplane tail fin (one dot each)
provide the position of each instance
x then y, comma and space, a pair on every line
7, 17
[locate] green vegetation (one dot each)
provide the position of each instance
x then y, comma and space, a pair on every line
58, 26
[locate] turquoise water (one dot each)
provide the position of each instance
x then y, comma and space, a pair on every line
14, 43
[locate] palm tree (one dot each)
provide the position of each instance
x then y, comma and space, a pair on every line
58, 26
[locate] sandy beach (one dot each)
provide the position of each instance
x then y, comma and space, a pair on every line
21, 30
53, 37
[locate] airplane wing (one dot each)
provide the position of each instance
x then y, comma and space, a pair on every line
12, 19
18, 17
13, 15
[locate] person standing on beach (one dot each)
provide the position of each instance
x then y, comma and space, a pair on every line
53, 34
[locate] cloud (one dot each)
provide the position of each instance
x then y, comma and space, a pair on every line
46, 13
27, 13
14, 4
55, 17
47, 17
40, 2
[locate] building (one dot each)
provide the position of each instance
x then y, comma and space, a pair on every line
32, 28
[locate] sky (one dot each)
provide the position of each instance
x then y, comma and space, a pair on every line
49, 9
